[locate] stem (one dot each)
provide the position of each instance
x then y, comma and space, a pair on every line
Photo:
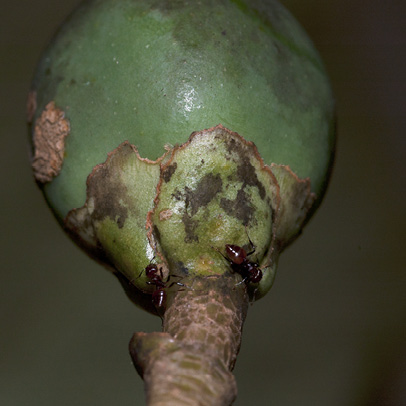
190, 362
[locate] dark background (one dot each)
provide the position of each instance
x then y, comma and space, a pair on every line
332, 329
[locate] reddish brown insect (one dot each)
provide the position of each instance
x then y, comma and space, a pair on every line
155, 276
238, 258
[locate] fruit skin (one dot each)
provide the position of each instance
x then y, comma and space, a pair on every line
124, 94
153, 72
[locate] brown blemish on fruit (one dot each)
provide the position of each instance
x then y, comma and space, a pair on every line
51, 129
165, 214
31, 105
109, 193
190, 228
168, 172
246, 172
206, 190
209, 186
240, 208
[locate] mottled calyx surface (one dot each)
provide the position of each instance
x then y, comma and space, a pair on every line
190, 363
219, 191
181, 210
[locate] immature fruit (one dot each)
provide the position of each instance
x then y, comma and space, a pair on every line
114, 101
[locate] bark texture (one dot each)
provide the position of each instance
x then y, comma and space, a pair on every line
190, 362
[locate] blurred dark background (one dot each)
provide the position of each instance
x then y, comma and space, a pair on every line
331, 331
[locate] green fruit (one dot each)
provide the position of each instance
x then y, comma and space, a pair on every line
125, 80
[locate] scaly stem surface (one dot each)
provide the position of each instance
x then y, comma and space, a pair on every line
190, 362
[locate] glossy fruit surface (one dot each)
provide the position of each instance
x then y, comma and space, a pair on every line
165, 130
152, 72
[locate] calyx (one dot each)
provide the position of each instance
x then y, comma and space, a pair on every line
182, 209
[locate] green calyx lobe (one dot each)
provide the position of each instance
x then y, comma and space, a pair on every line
181, 210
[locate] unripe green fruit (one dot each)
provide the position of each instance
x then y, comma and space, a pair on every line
132, 79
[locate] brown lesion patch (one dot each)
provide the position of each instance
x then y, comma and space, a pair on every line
165, 214
190, 228
240, 208
169, 171
108, 191
51, 129
207, 189
246, 172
